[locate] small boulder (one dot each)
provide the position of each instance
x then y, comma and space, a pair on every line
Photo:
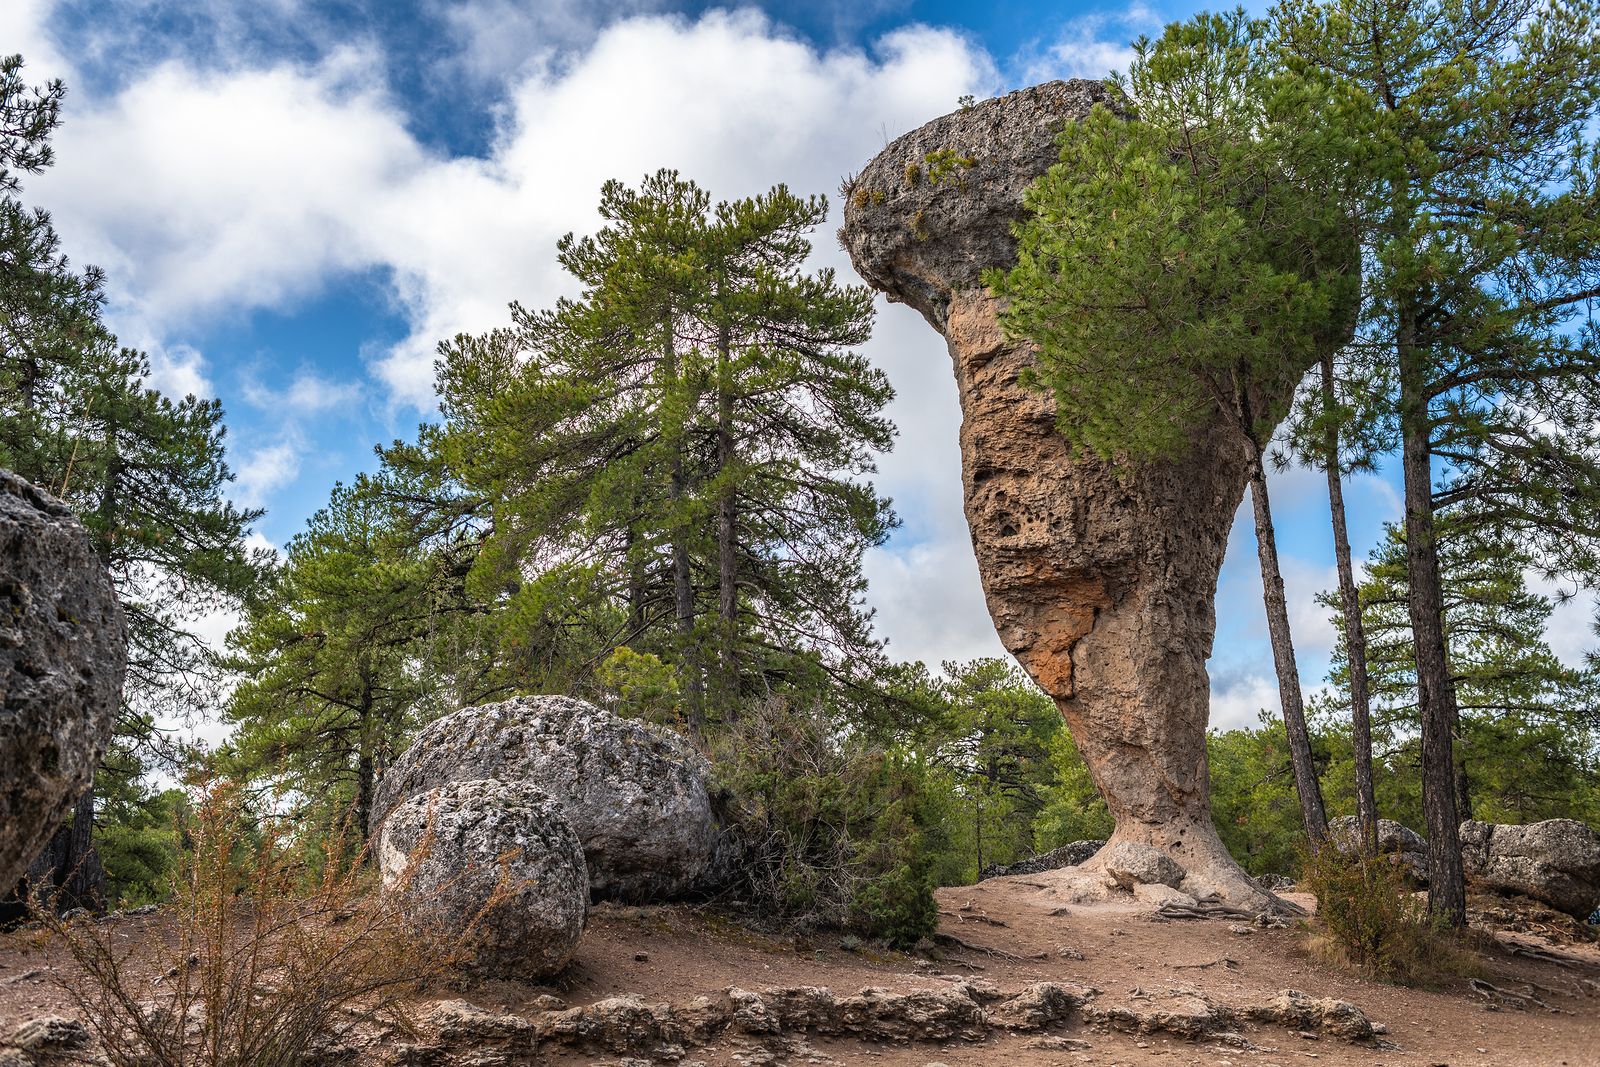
636, 794
1556, 861
1128, 863
63, 651
1406, 845
493, 864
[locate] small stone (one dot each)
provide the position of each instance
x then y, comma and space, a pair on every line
641, 957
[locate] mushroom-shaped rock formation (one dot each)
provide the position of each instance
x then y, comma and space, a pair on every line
63, 651
494, 866
1101, 582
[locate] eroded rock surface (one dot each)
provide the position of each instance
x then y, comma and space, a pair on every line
493, 866
1404, 844
63, 651
637, 795
1068, 855
1100, 582
1556, 861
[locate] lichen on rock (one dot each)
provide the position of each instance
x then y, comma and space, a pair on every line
493, 867
637, 795
63, 652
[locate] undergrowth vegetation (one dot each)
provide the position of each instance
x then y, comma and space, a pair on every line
270, 943
1370, 918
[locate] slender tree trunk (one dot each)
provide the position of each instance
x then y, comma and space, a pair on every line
727, 534
1294, 714
682, 574
1355, 638
1435, 694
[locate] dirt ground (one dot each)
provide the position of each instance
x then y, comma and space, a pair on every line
1019, 932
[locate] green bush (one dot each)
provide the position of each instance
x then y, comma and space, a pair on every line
835, 833
1368, 917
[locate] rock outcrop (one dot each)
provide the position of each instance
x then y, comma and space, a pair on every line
1068, 855
1556, 861
1100, 581
636, 795
1406, 846
63, 651
491, 866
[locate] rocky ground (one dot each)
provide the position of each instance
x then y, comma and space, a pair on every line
1017, 977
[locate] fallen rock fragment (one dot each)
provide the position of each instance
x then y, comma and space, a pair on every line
1328, 1015
1556, 861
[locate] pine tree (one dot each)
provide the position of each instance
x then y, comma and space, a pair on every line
145, 473
1462, 130
1527, 744
668, 461
1174, 270
338, 659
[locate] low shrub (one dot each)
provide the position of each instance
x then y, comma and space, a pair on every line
1369, 917
833, 832
263, 951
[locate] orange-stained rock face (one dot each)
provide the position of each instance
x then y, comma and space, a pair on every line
1101, 582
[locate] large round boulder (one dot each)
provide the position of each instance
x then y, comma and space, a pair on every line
491, 865
63, 651
1556, 861
637, 795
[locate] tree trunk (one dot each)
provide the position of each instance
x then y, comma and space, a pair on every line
1294, 714
68, 873
727, 534
1436, 699
1355, 638
682, 574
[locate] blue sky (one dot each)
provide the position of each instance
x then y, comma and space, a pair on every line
295, 201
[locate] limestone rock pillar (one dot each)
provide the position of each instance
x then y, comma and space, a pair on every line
1102, 586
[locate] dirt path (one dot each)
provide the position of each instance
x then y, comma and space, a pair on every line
1019, 933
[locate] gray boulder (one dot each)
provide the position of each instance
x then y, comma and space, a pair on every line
1068, 855
1130, 863
1406, 845
493, 865
637, 795
1556, 861
63, 651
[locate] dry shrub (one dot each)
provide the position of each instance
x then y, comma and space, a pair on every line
261, 957
1369, 918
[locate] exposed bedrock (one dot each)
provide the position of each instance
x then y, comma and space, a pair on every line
63, 650
1101, 583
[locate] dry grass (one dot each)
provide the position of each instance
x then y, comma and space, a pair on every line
264, 955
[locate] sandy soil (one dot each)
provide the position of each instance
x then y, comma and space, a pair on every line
1021, 932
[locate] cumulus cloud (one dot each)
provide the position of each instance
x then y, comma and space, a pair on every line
1237, 700
179, 370
1091, 45
264, 471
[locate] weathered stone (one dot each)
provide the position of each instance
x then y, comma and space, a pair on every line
494, 866
1100, 581
1069, 855
1129, 864
1404, 844
1556, 861
63, 651
636, 794
1329, 1015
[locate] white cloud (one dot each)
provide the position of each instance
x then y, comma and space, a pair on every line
1092, 45
308, 393
178, 371
266, 470
1238, 700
